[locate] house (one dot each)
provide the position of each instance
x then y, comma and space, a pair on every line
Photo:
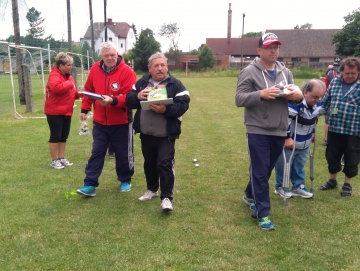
306, 46
312, 47
233, 59
120, 33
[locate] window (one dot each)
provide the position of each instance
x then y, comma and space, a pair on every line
218, 62
280, 59
121, 45
296, 59
110, 39
314, 59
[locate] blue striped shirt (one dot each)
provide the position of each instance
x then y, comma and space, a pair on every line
307, 118
344, 108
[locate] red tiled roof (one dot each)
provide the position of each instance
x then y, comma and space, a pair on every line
121, 29
218, 45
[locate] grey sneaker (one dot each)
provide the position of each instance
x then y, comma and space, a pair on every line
302, 192
148, 195
56, 164
65, 162
280, 191
166, 205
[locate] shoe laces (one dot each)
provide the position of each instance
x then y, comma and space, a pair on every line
166, 201
57, 163
264, 220
148, 193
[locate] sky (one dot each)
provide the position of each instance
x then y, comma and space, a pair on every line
197, 19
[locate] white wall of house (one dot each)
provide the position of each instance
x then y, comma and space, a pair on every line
123, 45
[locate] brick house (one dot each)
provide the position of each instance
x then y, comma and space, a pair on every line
311, 47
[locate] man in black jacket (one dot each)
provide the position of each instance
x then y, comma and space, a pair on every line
159, 127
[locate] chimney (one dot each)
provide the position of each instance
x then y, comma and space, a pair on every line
228, 43
110, 22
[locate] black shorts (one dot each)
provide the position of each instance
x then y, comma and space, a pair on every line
59, 128
339, 145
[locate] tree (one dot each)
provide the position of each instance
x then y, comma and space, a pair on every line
19, 59
145, 46
35, 22
201, 46
172, 32
253, 34
194, 52
306, 26
135, 31
206, 58
85, 50
347, 41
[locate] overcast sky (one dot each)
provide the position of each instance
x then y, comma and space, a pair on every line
198, 19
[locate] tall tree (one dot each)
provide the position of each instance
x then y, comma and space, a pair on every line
206, 58
35, 22
135, 31
144, 48
347, 41
16, 24
172, 32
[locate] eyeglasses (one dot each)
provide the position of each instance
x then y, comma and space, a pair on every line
270, 48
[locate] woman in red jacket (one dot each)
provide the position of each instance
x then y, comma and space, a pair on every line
59, 103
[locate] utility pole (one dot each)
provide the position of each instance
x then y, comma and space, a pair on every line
105, 23
69, 25
92, 33
242, 42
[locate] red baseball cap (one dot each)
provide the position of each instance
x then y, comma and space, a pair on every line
267, 39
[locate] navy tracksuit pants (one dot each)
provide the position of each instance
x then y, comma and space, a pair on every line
121, 138
264, 152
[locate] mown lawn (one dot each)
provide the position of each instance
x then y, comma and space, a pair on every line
46, 226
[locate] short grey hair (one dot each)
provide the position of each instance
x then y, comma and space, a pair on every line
63, 58
155, 56
107, 45
309, 85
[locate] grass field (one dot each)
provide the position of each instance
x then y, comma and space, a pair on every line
46, 226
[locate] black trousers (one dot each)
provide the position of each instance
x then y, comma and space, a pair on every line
59, 128
339, 145
159, 160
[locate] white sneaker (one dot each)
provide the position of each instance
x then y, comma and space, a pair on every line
148, 195
166, 205
65, 162
302, 192
280, 191
56, 164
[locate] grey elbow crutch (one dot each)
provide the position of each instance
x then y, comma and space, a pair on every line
287, 163
312, 161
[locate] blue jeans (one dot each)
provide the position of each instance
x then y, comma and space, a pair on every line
297, 164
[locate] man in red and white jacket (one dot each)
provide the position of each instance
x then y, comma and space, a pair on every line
113, 79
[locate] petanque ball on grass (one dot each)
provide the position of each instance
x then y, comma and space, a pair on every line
196, 165
194, 160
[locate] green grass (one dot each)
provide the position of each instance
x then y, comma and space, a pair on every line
45, 226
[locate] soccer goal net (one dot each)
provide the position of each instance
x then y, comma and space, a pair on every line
24, 71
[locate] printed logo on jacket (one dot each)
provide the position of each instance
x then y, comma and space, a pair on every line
115, 86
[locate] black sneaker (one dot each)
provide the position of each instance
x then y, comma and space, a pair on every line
346, 190
331, 184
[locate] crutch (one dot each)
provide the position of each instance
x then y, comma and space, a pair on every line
286, 176
312, 161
